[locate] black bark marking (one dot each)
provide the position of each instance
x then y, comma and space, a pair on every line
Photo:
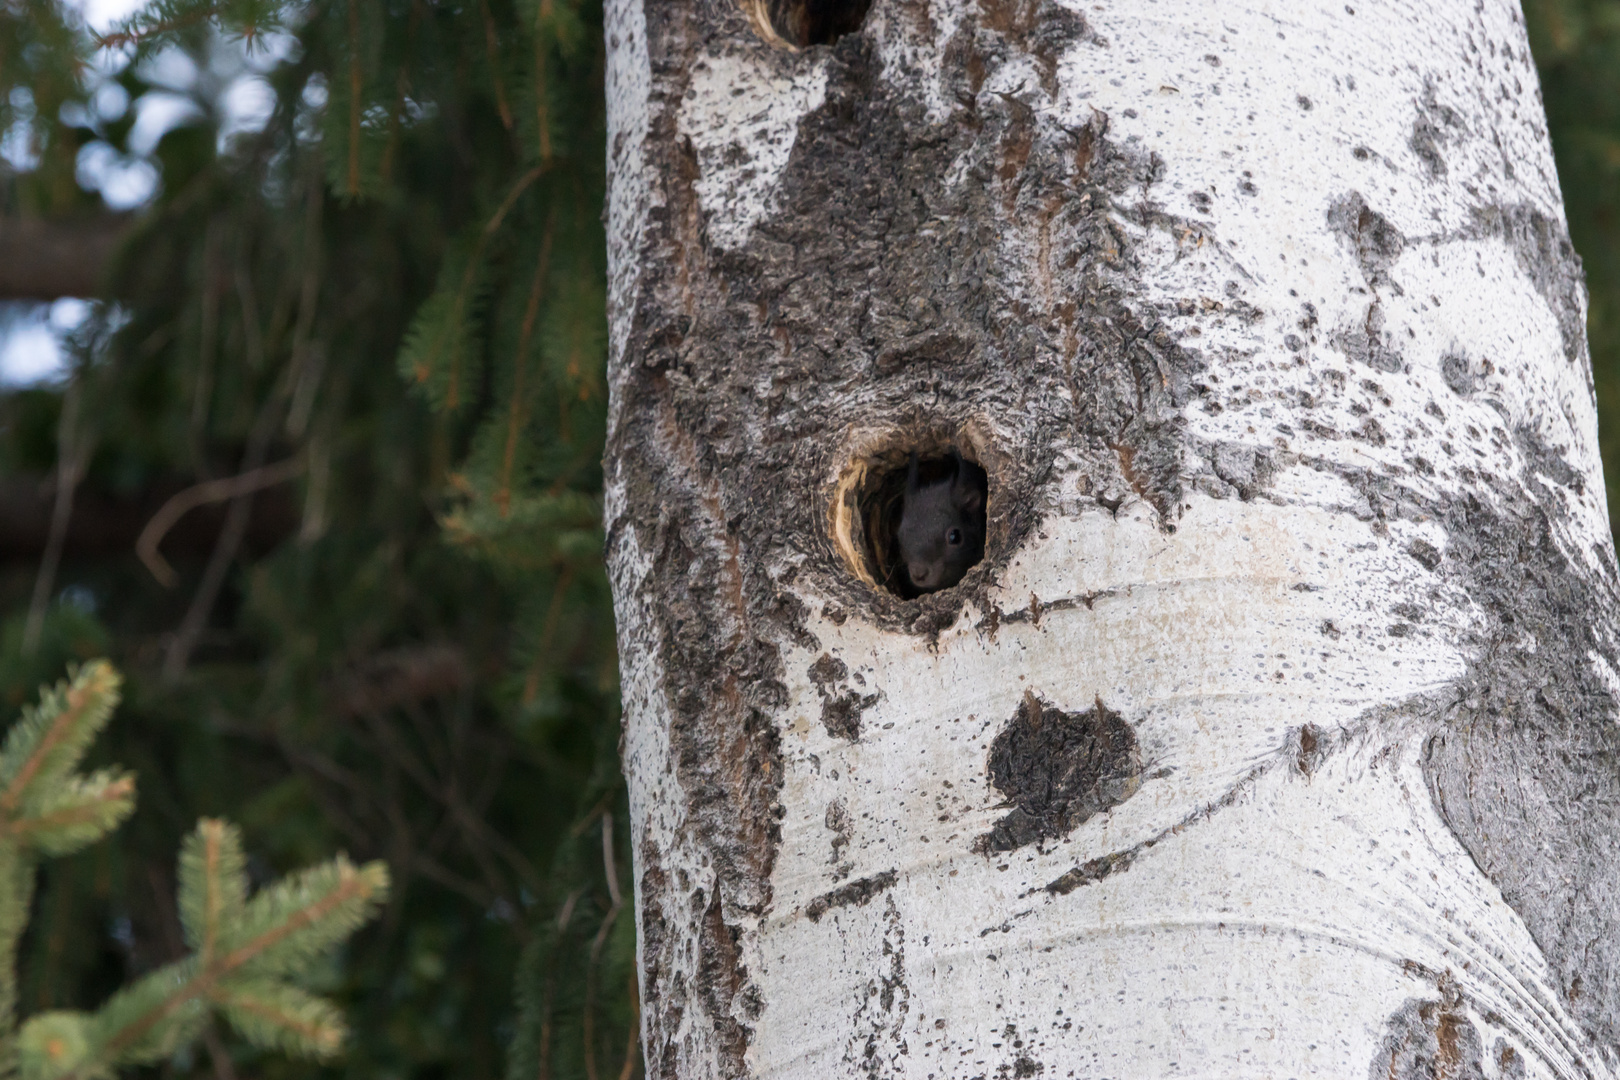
1376, 242
827, 671
1425, 553
1091, 872
1058, 769
1546, 461
1462, 375
1042, 28
856, 894
1248, 469
1310, 749
1509, 1062
1367, 342
841, 705
840, 824
841, 715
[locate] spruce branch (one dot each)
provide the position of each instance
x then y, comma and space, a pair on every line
444, 332
282, 1017
75, 812
278, 933
161, 22
213, 884
53, 735
245, 949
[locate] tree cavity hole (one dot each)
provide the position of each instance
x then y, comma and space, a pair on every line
869, 504
802, 23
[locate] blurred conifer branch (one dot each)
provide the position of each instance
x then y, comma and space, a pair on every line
396, 288
247, 952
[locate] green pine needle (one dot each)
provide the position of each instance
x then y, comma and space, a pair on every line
42, 748
75, 812
276, 1016
295, 921
442, 346
151, 1018
213, 884
241, 945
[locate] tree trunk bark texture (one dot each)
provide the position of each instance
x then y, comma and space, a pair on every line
1275, 735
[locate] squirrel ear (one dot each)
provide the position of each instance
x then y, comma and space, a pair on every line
911, 473
968, 497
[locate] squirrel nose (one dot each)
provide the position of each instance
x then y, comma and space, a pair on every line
919, 574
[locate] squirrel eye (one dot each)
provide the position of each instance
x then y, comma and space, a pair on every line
954, 537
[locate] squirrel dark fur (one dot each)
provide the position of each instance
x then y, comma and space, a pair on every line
941, 530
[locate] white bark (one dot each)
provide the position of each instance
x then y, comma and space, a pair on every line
1264, 323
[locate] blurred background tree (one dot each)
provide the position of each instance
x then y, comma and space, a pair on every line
322, 476
321, 473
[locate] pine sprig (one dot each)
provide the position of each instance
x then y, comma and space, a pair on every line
282, 1017
289, 924
213, 884
244, 948
442, 343
245, 951
462, 144
75, 812
52, 736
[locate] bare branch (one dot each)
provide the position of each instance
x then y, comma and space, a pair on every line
47, 260
210, 491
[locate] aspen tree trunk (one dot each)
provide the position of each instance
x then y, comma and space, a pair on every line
1276, 733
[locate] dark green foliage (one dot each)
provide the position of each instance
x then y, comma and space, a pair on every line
389, 304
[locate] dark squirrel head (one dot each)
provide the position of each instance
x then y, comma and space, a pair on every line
941, 530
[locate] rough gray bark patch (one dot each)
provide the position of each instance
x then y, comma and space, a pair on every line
1375, 240
1429, 1040
1526, 769
1542, 249
1525, 763
1058, 769
1434, 126
722, 981
879, 292
1526, 766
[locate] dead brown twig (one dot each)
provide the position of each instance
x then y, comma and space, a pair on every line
209, 491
